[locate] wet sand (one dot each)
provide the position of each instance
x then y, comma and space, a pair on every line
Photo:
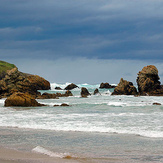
15, 156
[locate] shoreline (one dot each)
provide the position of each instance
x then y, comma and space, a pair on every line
119, 149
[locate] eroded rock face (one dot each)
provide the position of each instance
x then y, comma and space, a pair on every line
84, 92
16, 81
148, 81
71, 86
21, 99
125, 88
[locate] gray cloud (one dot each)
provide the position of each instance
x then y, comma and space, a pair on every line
111, 30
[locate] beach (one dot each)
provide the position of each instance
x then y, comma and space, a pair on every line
98, 129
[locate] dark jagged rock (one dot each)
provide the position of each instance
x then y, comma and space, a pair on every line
54, 96
106, 86
148, 81
16, 81
125, 88
84, 92
71, 86
96, 92
58, 88
21, 99
156, 103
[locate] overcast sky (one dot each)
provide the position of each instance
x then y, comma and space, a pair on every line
82, 41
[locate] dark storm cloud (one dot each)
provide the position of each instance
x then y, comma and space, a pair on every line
104, 29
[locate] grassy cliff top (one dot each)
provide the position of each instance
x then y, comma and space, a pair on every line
4, 66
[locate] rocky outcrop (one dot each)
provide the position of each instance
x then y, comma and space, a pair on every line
125, 88
106, 86
21, 99
96, 91
84, 92
148, 81
71, 86
16, 81
54, 95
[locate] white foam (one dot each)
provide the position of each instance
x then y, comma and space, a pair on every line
47, 152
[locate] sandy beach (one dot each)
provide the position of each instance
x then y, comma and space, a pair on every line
15, 156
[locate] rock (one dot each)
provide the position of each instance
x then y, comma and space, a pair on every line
148, 81
16, 81
125, 88
84, 92
21, 99
47, 96
62, 105
71, 86
54, 96
106, 85
58, 88
156, 103
96, 92
68, 93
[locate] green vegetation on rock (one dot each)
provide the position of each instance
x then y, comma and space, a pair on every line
4, 66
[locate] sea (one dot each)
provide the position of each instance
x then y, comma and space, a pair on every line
102, 127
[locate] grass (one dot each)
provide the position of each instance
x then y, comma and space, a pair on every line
4, 66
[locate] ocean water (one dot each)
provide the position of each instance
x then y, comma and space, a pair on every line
101, 126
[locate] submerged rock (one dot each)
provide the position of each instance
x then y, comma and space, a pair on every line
21, 99
64, 104
106, 85
156, 103
71, 86
148, 81
54, 95
84, 92
58, 88
125, 88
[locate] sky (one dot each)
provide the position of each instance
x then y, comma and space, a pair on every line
82, 41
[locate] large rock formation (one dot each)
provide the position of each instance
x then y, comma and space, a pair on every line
125, 88
106, 85
71, 86
84, 92
148, 81
21, 99
16, 81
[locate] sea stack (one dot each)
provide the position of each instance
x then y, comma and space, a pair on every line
148, 81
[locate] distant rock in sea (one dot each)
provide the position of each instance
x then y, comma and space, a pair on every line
106, 86
63, 104
84, 92
96, 91
71, 86
21, 99
12, 80
58, 88
54, 95
148, 81
125, 88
